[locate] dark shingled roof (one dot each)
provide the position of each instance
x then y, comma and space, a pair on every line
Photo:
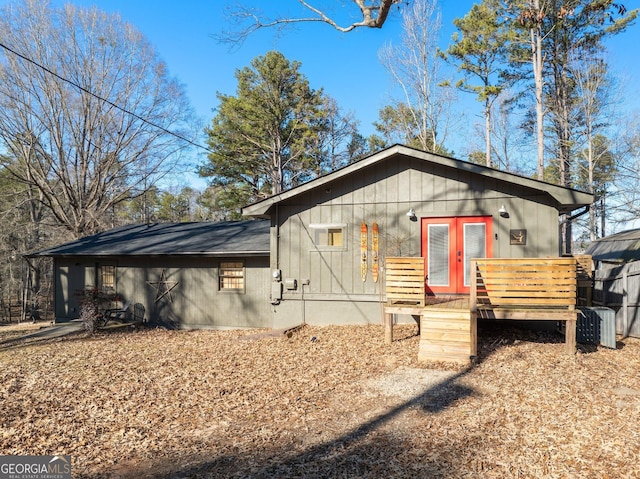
618, 248
201, 238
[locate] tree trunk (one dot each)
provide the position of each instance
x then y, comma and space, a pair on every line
602, 218
487, 131
536, 58
592, 213
561, 113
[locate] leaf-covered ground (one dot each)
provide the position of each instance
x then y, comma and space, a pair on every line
327, 402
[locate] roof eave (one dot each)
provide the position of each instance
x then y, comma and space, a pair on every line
567, 199
211, 254
261, 208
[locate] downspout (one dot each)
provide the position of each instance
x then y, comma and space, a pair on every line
276, 281
306, 282
578, 215
277, 251
568, 221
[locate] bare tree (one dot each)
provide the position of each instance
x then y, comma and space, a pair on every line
628, 177
595, 93
23, 283
334, 135
415, 66
87, 110
552, 31
373, 14
506, 135
531, 16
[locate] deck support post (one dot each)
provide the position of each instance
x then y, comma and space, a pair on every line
390, 312
570, 335
418, 319
388, 328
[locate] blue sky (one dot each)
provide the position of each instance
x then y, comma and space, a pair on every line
345, 65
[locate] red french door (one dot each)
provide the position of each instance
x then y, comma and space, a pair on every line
448, 245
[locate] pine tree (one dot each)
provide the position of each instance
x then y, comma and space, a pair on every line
264, 139
479, 50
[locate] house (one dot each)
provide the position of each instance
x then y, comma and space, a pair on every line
182, 275
445, 210
312, 259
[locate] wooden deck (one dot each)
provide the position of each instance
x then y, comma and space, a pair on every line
526, 289
447, 332
502, 288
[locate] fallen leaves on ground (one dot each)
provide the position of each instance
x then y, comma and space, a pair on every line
326, 402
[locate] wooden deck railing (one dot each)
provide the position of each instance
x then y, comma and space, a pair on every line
405, 281
501, 288
526, 288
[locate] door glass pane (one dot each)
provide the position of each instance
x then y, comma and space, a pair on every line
438, 255
474, 246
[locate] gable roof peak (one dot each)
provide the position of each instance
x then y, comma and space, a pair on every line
567, 199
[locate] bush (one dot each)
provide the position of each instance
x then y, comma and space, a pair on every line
92, 305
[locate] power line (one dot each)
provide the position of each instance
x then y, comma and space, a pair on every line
124, 110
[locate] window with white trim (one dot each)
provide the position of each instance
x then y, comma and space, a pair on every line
231, 276
327, 237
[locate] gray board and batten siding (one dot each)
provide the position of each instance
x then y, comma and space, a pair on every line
381, 189
172, 271
317, 284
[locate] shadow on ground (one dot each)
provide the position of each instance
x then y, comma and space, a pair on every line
371, 450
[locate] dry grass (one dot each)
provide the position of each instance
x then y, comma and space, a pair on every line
327, 402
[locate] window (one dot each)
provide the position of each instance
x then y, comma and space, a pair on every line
107, 278
438, 254
329, 237
231, 276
